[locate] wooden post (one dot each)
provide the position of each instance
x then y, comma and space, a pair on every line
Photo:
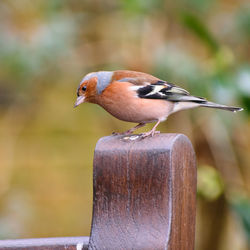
144, 197
144, 193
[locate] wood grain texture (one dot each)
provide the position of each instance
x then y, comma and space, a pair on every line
144, 193
60, 243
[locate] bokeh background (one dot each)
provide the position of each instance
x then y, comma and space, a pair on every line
46, 146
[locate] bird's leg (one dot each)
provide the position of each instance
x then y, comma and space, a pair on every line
130, 131
152, 131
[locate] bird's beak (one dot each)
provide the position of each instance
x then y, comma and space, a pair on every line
79, 100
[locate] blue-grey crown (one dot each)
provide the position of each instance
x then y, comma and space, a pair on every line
103, 79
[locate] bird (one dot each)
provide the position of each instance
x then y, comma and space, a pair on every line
138, 97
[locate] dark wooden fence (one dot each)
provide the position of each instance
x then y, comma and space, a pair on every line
144, 197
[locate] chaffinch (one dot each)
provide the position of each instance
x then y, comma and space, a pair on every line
138, 97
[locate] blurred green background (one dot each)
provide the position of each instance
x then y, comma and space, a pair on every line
46, 146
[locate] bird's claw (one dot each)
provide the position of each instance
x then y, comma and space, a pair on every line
142, 135
124, 133
150, 133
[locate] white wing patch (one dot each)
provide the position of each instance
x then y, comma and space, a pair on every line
134, 87
156, 90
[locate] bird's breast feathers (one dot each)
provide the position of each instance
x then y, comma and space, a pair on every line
122, 100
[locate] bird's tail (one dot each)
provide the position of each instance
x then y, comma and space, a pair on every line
203, 102
220, 106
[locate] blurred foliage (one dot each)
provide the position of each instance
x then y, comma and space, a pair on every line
194, 24
242, 208
46, 146
210, 185
243, 20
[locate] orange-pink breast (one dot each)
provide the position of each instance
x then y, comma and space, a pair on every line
120, 100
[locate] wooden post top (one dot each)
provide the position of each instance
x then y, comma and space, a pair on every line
144, 193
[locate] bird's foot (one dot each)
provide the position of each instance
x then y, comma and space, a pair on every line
116, 133
127, 136
124, 133
150, 133
130, 131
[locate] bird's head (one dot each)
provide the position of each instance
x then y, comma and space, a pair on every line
92, 85
86, 90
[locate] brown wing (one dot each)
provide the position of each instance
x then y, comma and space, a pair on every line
134, 77
151, 87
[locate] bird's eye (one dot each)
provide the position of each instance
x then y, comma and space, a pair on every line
84, 88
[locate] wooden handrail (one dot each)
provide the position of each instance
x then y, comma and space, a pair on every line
69, 243
144, 197
144, 193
